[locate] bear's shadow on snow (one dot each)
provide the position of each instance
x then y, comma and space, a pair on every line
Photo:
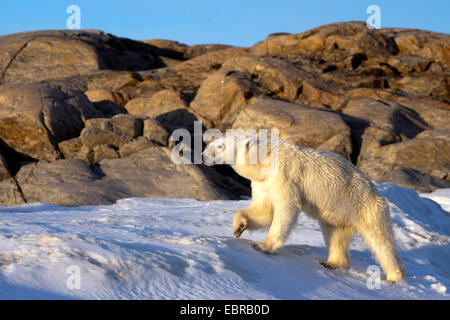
241, 258
294, 271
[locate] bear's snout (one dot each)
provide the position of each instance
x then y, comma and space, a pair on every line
208, 157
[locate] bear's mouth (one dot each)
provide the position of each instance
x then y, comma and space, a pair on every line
206, 160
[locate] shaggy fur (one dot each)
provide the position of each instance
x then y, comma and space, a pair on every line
322, 184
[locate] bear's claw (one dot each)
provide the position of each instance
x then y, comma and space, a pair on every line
239, 231
329, 265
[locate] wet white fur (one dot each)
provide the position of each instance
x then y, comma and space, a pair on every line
322, 184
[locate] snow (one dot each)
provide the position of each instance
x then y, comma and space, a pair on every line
144, 248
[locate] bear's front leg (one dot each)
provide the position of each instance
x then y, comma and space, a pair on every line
284, 219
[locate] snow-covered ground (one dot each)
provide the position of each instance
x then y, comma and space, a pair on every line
184, 249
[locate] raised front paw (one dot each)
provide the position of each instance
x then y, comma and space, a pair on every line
262, 246
238, 231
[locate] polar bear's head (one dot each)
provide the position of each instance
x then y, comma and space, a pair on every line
231, 149
247, 154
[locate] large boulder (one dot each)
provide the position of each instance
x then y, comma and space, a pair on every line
426, 155
168, 107
332, 42
222, 96
45, 55
413, 179
434, 112
299, 124
68, 182
288, 80
34, 118
386, 115
189, 75
116, 131
279, 76
149, 173
430, 46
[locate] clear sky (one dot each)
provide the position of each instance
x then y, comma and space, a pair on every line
237, 22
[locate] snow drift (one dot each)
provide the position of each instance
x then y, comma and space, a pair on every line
184, 249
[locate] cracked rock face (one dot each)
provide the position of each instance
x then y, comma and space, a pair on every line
46, 55
86, 117
34, 118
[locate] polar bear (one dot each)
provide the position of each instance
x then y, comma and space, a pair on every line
324, 185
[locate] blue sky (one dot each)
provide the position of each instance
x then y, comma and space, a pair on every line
237, 22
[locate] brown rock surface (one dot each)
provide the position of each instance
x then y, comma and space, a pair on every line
45, 55
378, 97
34, 118
295, 125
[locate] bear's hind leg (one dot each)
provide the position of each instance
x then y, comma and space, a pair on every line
381, 243
337, 240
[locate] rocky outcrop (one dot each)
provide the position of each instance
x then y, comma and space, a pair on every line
46, 55
34, 118
85, 117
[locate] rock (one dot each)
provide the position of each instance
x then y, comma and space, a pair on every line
34, 118
340, 144
146, 88
168, 107
109, 108
117, 97
189, 75
428, 86
386, 115
109, 103
10, 193
69, 182
70, 148
116, 131
161, 102
409, 64
112, 80
149, 173
295, 125
104, 151
408, 178
434, 112
201, 49
424, 155
435, 134
332, 43
168, 48
141, 143
155, 132
424, 44
222, 96
287, 80
45, 55
279, 76
5, 173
